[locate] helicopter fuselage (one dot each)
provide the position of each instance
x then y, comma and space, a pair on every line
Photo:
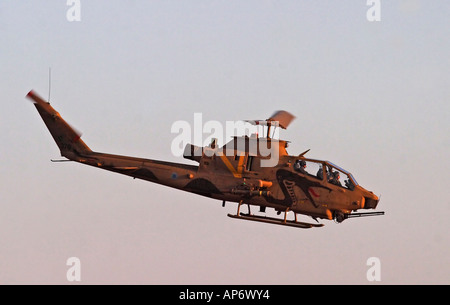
241, 171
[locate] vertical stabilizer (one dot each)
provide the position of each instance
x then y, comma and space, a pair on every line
66, 137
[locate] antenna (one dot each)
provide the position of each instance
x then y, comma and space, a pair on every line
49, 82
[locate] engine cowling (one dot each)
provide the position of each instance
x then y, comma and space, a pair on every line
193, 152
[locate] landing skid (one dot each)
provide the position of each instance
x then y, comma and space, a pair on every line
272, 220
276, 221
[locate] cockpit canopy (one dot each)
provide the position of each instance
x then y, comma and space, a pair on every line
320, 169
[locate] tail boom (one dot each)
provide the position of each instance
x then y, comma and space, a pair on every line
73, 148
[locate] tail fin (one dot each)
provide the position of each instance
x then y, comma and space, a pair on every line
67, 138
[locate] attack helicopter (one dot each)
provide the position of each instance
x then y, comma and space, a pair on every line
249, 170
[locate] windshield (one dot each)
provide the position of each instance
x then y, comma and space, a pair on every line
348, 174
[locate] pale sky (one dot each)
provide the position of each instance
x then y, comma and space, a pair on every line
372, 97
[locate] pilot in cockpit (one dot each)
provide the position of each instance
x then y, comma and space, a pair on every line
320, 173
300, 166
335, 178
349, 184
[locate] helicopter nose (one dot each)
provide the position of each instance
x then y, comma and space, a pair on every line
371, 200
